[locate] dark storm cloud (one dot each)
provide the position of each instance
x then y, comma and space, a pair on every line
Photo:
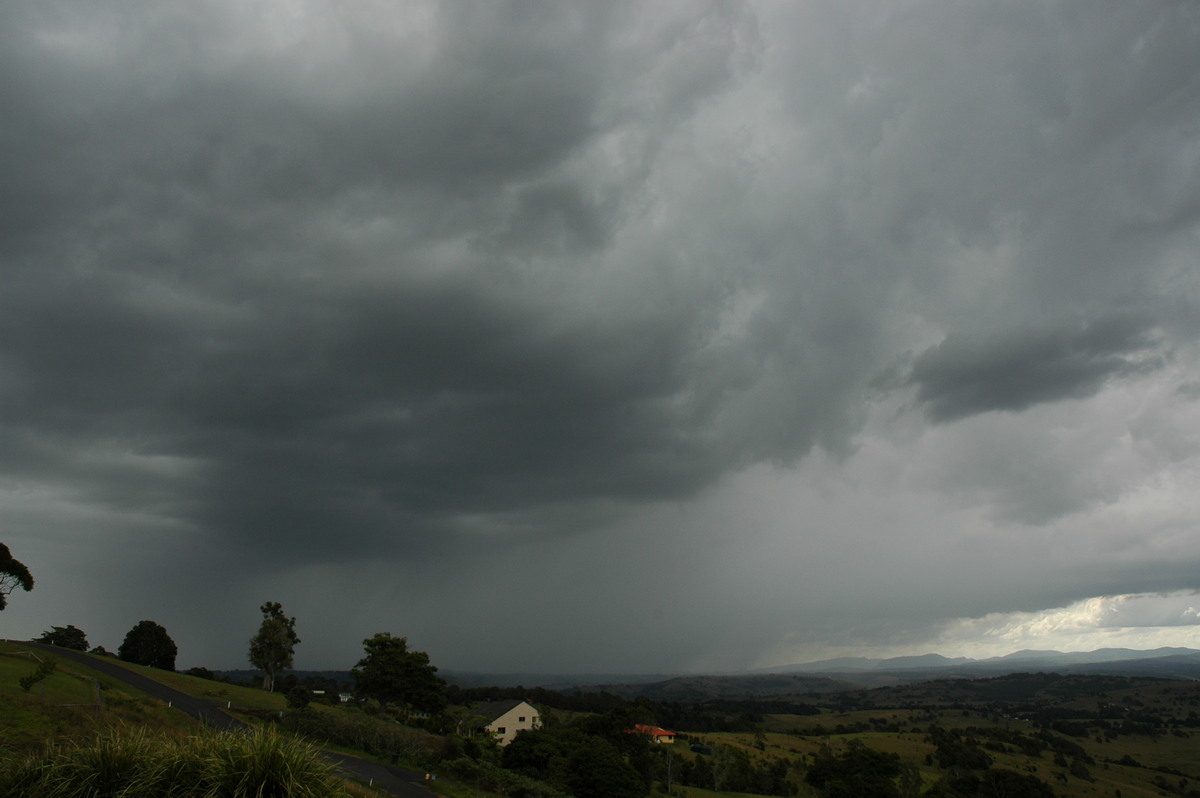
203, 276
965, 375
378, 294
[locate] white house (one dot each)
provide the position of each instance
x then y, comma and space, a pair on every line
505, 718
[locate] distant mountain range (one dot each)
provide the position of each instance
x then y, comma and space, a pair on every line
795, 682
834, 675
1186, 660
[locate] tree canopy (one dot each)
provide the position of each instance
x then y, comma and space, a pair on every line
65, 637
857, 772
393, 675
13, 574
148, 643
577, 762
273, 648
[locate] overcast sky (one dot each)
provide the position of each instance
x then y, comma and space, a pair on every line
606, 337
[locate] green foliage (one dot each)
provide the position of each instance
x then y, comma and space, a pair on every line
493, 778
65, 637
571, 760
273, 648
858, 772
996, 783
542, 753
44, 669
373, 736
148, 643
956, 751
133, 764
298, 697
614, 727
735, 770
13, 575
599, 771
393, 675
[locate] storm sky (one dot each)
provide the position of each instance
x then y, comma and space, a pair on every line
604, 337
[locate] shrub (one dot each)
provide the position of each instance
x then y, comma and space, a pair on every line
298, 697
44, 669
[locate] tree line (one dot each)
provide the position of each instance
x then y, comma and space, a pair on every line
389, 672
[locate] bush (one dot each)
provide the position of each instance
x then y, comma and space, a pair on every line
44, 669
298, 697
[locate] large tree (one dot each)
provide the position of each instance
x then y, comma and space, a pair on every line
393, 675
65, 637
273, 647
148, 643
13, 574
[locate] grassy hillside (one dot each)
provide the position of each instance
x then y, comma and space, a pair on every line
64, 705
58, 736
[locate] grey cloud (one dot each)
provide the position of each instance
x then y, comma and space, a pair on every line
968, 374
443, 281
218, 291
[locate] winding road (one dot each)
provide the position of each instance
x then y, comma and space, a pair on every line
395, 781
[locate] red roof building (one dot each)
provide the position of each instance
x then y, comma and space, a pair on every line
656, 734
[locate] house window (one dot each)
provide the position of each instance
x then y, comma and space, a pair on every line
521, 719
499, 730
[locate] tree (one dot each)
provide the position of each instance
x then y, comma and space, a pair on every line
599, 771
65, 637
575, 762
13, 574
391, 674
298, 696
147, 643
858, 772
274, 645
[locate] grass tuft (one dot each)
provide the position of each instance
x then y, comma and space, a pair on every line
132, 764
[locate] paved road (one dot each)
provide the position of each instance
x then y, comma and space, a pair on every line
396, 781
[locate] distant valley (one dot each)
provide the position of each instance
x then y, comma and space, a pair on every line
840, 675
827, 676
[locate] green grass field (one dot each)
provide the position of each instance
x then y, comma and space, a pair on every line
63, 705
1171, 751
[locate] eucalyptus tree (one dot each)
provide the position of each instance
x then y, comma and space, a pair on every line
273, 648
393, 675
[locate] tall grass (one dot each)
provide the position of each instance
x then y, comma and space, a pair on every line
130, 763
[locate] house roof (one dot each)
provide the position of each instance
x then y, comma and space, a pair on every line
653, 731
495, 709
